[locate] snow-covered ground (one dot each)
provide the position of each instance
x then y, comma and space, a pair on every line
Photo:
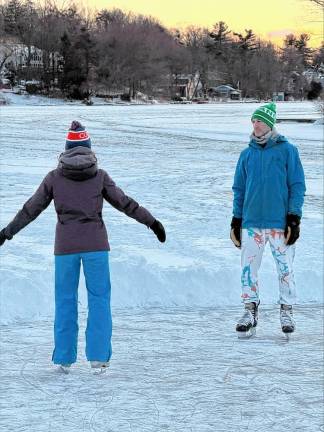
177, 364
12, 98
172, 370
31, 100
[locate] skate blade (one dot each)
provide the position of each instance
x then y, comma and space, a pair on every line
64, 370
99, 371
288, 335
248, 334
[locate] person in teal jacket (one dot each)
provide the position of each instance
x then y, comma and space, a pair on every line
269, 189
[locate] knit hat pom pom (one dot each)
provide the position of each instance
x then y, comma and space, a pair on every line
75, 125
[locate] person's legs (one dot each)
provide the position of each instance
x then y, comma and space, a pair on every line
99, 324
67, 272
253, 243
284, 258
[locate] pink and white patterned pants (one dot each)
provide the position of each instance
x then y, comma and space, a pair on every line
253, 244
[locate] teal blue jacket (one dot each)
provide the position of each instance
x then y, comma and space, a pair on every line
269, 183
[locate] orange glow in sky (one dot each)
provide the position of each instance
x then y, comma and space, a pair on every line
271, 20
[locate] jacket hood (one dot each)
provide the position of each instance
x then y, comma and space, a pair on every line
78, 163
273, 141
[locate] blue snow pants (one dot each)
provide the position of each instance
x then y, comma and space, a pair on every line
99, 324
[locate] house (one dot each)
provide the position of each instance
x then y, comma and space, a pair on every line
14, 56
315, 74
224, 91
278, 96
186, 85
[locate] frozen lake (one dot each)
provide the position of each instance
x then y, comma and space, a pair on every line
172, 370
177, 364
179, 162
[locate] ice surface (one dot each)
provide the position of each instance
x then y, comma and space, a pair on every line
172, 370
179, 162
177, 364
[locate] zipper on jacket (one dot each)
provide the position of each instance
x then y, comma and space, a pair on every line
263, 182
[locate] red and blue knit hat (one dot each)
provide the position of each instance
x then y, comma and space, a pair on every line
77, 136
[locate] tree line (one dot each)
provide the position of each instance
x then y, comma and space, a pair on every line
86, 52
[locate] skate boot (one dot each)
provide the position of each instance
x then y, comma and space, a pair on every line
286, 319
246, 326
99, 367
65, 368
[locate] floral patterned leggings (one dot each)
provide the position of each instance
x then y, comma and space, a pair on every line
253, 244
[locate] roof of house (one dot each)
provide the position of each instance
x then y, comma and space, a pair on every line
225, 87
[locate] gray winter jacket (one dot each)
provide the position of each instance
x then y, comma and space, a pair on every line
78, 187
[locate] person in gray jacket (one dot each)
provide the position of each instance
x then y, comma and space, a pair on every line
78, 188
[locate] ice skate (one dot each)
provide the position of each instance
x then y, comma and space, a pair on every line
65, 368
246, 326
99, 367
286, 320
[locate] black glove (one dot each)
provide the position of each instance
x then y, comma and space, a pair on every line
158, 230
3, 237
292, 229
236, 226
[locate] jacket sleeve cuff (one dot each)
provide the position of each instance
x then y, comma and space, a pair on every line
6, 234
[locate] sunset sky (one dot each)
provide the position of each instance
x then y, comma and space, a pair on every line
269, 19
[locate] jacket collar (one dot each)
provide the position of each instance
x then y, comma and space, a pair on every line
272, 141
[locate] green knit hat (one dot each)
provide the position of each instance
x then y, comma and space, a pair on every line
266, 114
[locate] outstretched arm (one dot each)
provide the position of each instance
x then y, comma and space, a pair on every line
30, 210
117, 198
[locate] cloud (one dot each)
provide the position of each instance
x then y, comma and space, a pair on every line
280, 33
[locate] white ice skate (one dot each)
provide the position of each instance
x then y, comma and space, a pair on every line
99, 367
246, 325
65, 368
286, 320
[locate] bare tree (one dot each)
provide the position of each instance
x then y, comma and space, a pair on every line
195, 39
133, 51
6, 51
6, 45
317, 2
21, 20
266, 71
129, 52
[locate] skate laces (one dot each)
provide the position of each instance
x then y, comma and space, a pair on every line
286, 315
250, 314
252, 308
247, 317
